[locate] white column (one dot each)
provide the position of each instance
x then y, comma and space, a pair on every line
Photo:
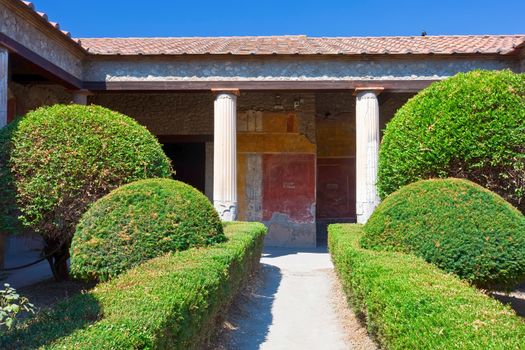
367, 151
80, 97
225, 154
4, 77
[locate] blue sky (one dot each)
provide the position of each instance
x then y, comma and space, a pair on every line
121, 18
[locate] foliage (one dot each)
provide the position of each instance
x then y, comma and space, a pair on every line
455, 224
11, 304
64, 157
469, 126
410, 304
56, 161
140, 221
170, 302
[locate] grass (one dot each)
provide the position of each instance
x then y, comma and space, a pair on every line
408, 303
170, 302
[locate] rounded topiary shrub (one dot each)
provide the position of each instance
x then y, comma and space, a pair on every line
140, 221
455, 224
469, 126
56, 161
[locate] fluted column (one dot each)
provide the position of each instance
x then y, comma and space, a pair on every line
367, 152
225, 154
4, 77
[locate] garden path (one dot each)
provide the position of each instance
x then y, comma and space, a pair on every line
296, 303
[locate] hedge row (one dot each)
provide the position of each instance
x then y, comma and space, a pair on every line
410, 304
170, 302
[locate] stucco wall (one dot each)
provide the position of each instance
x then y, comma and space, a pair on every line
283, 68
42, 43
276, 165
335, 120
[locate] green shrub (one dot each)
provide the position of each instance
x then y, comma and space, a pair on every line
56, 161
469, 126
140, 221
410, 304
170, 302
455, 224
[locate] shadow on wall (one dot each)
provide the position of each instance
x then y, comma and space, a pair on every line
251, 314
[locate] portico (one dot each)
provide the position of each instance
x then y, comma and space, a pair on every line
285, 130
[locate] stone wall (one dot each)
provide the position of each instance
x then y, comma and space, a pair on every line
30, 97
164, 113
43, 41
296, 68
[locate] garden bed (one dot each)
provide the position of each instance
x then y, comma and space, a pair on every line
410, 304
174, 301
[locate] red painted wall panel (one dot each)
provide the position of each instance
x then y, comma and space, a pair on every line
335, 188
289, 186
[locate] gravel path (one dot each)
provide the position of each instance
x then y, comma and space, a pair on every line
295, 303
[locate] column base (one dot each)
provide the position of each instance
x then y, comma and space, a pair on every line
364, 211
227, 210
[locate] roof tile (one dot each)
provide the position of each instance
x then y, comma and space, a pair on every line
303, 45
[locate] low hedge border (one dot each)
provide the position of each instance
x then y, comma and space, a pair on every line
410, 304
170, 302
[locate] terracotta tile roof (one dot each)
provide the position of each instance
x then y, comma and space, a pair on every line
303, 45
292, 44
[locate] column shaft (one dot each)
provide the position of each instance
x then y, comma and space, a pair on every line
225, 156
367, 153
80, 97
4, 78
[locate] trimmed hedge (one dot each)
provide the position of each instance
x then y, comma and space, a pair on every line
140, 221
469, 126
58, 160
455, 224
170, 302
410, 304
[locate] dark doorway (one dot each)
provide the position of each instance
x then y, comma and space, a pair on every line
189, 162
335, 193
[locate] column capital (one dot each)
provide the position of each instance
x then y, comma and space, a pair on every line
231, 91
373, 89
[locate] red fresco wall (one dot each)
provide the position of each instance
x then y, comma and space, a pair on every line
289, 186
335, 188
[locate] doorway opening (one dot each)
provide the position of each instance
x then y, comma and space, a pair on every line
189, 162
